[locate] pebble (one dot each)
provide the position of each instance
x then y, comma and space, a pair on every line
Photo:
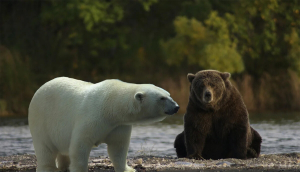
138, 161
281, 161
198, 165
97, 160
183, 163
224, 163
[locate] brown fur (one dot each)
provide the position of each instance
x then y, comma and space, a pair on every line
216, 123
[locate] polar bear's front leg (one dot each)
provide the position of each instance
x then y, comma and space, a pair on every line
117, 145
46, 158
63, 162
79, 154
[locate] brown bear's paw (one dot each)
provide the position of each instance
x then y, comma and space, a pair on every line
195, 156
251, 153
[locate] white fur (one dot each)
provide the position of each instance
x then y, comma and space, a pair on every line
67, 117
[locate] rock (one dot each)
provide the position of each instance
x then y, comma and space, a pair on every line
198, 165
138, 161
183, 163
224, 163
237, 165
97, 160
25, 162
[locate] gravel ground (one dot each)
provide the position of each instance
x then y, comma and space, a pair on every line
273, 162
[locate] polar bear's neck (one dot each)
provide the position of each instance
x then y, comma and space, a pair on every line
115, 98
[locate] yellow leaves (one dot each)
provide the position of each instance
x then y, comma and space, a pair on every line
95, 12
147, 3
294, 53
292, 38
215, 20
273, 4
219, 26
223, 58
175, 50
208, 46
190, 28
198, 31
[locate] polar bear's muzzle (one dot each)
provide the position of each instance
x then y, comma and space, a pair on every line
173, 110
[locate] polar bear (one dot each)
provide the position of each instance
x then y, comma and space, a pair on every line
67, 117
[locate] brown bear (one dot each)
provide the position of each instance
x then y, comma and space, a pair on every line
216, 123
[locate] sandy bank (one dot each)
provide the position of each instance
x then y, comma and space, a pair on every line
273, 162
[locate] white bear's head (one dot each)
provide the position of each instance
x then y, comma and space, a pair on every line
153, 103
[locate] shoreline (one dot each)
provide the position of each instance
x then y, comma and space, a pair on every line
270, 162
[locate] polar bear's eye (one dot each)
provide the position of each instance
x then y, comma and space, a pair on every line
162, 98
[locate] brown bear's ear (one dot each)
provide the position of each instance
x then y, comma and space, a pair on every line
225, 75
190, 77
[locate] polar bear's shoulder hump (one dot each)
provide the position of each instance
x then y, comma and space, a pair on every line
66, 84
115, 83
69, 80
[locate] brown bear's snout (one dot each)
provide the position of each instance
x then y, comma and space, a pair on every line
207, 96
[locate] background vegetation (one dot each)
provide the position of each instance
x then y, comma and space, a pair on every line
152, 41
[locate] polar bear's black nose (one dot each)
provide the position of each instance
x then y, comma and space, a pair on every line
172, 111
176, 109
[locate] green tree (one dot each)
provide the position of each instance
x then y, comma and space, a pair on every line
263, 29
209, 46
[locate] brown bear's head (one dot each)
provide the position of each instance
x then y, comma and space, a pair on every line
208, 88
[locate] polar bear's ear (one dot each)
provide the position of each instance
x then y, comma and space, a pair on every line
190, 77
225, 75
139, 96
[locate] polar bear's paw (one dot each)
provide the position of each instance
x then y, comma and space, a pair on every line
129, 169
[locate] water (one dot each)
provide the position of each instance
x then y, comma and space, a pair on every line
280, 133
